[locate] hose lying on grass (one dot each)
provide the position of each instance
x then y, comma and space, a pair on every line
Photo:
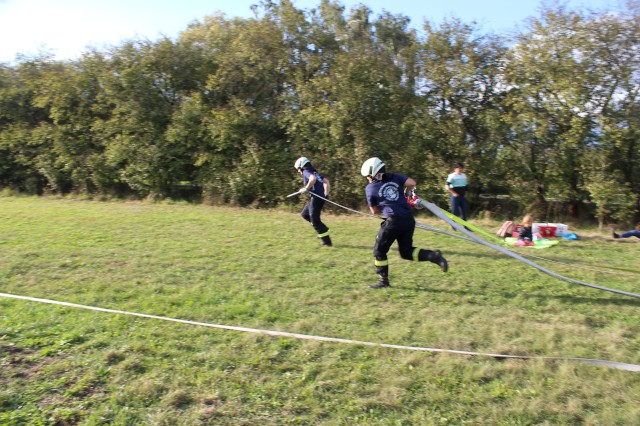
598, 362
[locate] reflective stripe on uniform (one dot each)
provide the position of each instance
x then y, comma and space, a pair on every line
416, 254
326, 234
381, 262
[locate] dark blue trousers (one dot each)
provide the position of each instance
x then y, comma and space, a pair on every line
459, 206
311, 213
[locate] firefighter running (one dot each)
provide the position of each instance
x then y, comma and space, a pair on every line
386, 196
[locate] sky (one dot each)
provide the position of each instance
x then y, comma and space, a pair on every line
67, 28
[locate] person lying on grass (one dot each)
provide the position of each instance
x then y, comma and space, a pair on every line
632, 233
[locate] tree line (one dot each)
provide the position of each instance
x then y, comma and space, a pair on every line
547, 112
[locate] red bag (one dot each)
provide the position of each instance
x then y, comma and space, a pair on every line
547, 231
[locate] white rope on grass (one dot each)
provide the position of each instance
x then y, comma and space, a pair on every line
597, 362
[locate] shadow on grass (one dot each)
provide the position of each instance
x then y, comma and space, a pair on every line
356, 247
617, 300
394, 250
539, 258
483, 255
561, 262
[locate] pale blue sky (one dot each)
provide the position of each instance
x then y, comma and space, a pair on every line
68, 27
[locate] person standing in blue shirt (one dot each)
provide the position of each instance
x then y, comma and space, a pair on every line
385, 196
314, 183
457, 187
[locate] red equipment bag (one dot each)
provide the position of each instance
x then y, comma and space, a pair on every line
547, 231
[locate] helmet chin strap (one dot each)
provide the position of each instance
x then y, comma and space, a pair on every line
378, 177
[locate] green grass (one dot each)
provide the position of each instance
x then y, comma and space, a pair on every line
265, 269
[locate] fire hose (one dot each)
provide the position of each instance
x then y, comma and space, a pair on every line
474, 238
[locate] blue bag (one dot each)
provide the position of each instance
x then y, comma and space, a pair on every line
572, 236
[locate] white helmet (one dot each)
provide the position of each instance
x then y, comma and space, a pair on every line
371, 167
300, 162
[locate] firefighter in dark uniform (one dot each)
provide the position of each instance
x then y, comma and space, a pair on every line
314, 183
386, 196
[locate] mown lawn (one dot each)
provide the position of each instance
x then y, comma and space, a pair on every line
265, 270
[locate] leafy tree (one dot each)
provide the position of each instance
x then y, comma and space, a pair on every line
143, 85
615, 52
243, 151
351, 93
612, 196
568, 73
549, 135
457, 115
230, 104
26, 127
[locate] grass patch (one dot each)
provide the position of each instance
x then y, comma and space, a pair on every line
265, 269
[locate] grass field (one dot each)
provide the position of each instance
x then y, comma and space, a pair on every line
265, 270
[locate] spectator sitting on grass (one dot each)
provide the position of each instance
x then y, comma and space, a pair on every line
525, 236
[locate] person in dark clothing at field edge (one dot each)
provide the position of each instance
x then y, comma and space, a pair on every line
386, 195
314, 183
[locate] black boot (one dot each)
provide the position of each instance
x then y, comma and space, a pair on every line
439, 260
326, 241
382, 282
614, 234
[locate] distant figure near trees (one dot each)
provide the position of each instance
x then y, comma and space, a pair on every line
457, 186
